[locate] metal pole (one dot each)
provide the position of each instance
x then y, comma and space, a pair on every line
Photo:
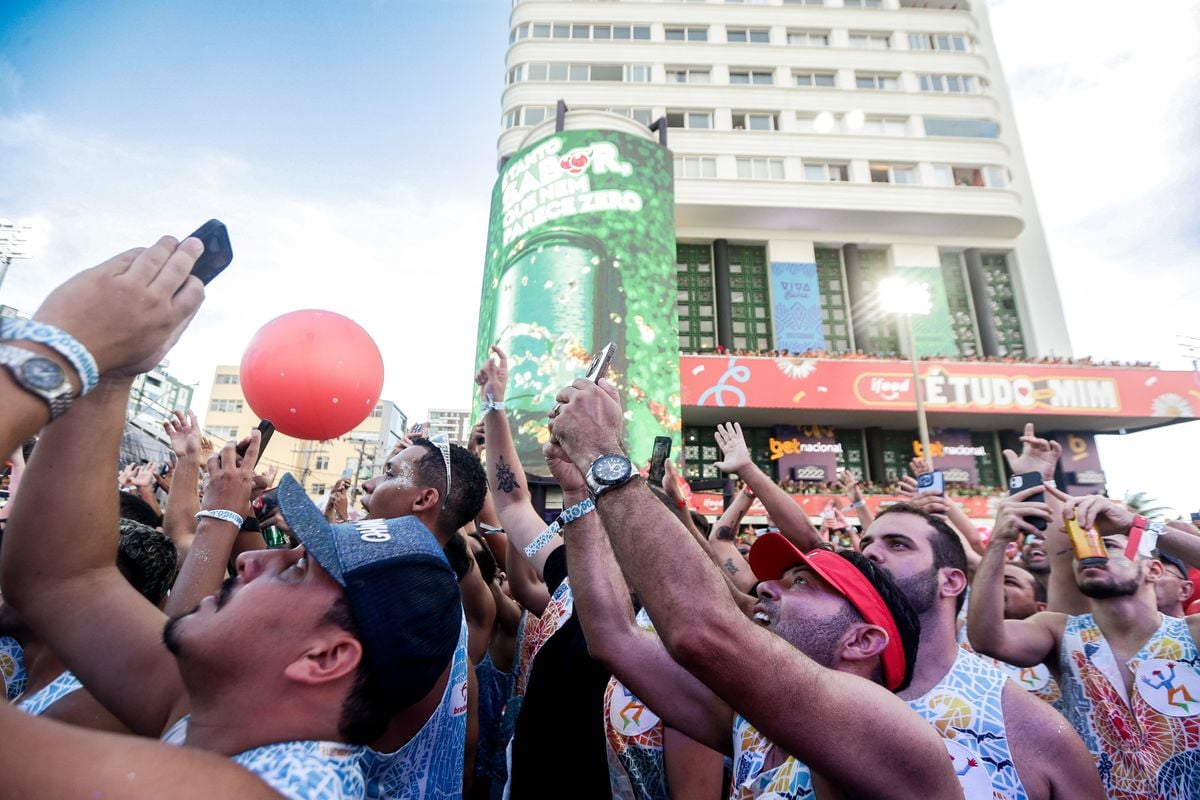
918, 391
4, 262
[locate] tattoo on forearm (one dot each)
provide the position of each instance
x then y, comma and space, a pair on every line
725, 533
506, 480
730, 567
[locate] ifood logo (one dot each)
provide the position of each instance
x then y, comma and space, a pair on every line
889, 389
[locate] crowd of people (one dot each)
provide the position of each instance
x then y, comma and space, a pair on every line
218, 635
891, 488
1011, 358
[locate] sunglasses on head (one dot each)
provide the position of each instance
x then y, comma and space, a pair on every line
442, 443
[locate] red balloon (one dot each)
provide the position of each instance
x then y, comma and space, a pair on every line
315, 374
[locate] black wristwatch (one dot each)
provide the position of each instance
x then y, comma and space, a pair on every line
38, 375
608, 472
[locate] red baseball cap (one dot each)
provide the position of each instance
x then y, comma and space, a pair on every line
772, 555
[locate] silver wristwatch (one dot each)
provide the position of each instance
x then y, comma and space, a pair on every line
38, 375
608, 472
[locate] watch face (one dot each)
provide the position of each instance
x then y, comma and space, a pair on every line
42, 374
611, 469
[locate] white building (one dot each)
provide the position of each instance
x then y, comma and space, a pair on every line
867, 136
455, 423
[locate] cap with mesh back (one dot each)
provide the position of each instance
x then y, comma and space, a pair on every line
402, 592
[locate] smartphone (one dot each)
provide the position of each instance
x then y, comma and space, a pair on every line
931, 483
217, 251
266, 428
1019, 483
599, 366
658, 459
1195, 517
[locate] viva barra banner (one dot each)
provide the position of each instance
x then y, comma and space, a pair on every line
797, 307
581, 252
933, 333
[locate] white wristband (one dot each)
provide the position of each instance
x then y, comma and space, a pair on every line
224, 515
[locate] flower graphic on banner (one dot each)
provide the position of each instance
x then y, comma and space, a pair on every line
1171, 405
796, 368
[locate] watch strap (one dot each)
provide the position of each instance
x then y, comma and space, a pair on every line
595, 486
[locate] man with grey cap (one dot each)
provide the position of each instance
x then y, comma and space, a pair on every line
290, 669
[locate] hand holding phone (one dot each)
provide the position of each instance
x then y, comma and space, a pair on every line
1025, 480
266, 429
217, 250
658, 460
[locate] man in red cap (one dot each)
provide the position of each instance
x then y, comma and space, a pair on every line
792, 693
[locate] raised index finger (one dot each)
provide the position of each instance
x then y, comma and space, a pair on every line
500, 354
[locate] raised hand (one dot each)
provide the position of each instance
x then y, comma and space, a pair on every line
492, 377
670, 482
586, 421
733, 444
185, 437
919, 467
564, 471
476, 440
1037, 455
1013, 514
1097, 511
129, 310
231, 476
125, 478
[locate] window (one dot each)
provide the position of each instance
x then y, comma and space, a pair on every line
322, 463
823, 171
749, 305
687, 75
760, 169
695, 297
975, 128
748, 35
872, 40
545, 30
377, 412
222, 432
227, 378
808, 38
754, 121
893, 173
643, 115
954, 42
761, 77
947, 175
864, 3
687, 34
695, 167
884, 83
512, 118
226, 406
884, 126
557, 71
317, 488
689, 119
952, 84
532, 115
819, 79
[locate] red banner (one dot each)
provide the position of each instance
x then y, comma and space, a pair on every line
709, 504
949, 386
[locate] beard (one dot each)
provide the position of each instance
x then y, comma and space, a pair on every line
171, 630
818, 639
1109, 587
921, 590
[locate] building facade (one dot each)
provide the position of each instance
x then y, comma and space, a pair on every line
455, 423
317, 465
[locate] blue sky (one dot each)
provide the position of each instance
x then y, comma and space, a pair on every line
350, 147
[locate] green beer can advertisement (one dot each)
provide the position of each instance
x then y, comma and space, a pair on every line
581, 252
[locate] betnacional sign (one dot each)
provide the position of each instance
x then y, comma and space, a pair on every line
866, 384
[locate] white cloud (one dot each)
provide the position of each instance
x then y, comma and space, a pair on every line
1107, 106
405, 267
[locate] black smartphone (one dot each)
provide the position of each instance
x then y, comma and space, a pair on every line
217, 250
599, 365
658, 459
267, 429
266, 505
1019, 483
1195, 518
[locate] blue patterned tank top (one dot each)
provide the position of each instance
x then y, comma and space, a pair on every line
791, 779
50, 694
12, 667
965, 708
